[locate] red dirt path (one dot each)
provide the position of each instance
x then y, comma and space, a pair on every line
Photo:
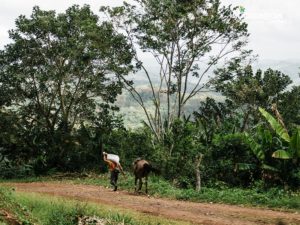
198, 213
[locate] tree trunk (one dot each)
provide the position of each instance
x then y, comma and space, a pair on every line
197, 171
245, 122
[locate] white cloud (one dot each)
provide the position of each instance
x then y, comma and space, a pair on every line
273, 24
273, 27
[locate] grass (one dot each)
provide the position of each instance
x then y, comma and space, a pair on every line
158, 187
48, 210
11, 207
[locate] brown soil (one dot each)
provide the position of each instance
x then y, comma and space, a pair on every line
198, 213
8, 217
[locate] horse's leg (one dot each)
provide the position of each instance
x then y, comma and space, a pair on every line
140, 183
146, 183
135, 183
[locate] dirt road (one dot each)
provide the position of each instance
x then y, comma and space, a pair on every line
198, 213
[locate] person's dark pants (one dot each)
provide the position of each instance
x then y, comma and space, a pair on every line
114, 178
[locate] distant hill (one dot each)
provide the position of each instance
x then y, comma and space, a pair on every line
133, 114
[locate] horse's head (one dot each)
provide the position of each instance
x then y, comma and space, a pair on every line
136, 160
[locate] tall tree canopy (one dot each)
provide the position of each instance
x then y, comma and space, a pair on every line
246, 90
186, 39
60, 68
59, 71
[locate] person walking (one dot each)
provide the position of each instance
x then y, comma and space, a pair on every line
115, 168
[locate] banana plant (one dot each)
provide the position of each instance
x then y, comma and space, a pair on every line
293, 151
259, 152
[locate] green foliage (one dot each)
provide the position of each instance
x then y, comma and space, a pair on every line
277, 127
183, 144
255, 147
281, 154
247, 90
223, 194
289, 107
61, 74
263, 144
9, 170
215, 117
180, 37
60, 71
295, 143
130, 145
293, 151
226, 161
14, 208
61, 215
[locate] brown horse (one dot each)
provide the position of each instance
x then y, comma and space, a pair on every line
142, 168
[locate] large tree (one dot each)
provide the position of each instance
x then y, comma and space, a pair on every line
247, 90
62, 69
186, 39
289, 106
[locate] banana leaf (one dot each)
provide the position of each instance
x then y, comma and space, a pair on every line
282, 154
295, 143
255, 147
244, 166
270, 168
277, 127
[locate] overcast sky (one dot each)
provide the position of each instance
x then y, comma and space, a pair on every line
273, 24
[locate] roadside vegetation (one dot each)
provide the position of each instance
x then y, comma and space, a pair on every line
254, 196
32, 208
219, 193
